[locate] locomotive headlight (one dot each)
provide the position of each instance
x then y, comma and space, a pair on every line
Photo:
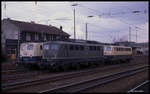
46, 47
52, 64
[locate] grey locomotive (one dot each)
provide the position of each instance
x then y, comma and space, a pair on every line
61, 54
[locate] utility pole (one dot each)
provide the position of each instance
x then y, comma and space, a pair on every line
5, 7
136, 34
18, 46
129, 34
86, 31
74, 20
74, 25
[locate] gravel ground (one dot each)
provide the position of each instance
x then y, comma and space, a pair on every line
121, 85
75, 79
138, 59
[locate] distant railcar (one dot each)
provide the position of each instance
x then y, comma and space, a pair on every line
117, 53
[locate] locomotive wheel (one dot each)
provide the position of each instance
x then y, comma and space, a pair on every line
128, 60
119, 61
86, 64
93, 64
113, 62
41, 67
106, 62
101, 63
78, 66
57, 69
64, 67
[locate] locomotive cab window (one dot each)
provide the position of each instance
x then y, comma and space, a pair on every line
54, 47
30, 47
108, 48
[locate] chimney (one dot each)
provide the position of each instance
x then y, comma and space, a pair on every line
33, 22
60, 27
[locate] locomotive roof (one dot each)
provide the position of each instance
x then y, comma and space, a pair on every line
32, 43
116, 46
78, 43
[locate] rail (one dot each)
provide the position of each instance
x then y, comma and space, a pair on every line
82, 85
133, 89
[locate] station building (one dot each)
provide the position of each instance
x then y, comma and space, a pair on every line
14, 32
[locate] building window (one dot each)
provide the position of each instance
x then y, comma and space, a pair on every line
28, 36
32, 36
44, 37
51, 37
36, 36
47, 37
57, 37
54, 37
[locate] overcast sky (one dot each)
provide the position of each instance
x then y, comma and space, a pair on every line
110, 21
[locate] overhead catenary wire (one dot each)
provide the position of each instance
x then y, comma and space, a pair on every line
109, 14
102, 32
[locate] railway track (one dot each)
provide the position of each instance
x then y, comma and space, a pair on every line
135, 89
83, 85
8, 66
12, 70
14, 74
17, 85
15, 71
20, 76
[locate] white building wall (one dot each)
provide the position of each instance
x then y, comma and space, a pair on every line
10, 31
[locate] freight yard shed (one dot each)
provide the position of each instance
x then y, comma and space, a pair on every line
28, 32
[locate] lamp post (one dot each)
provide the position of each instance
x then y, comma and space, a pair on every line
74, 21
86, 32
136, 34
129, 34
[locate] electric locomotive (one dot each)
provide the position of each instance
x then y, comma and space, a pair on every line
117, 53
30, 53
61, 54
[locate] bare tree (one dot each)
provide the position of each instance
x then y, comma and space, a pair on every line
121, 39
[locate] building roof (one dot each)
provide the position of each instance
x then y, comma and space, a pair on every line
34, 27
